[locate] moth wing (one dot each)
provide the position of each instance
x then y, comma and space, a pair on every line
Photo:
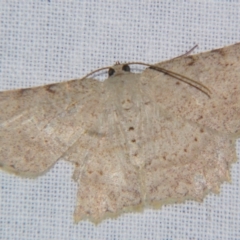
38, 125
185, 160
219, 71
108, 182
139, 155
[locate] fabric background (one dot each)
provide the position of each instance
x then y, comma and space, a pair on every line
50, 41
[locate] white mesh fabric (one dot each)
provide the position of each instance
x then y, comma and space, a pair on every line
49, 41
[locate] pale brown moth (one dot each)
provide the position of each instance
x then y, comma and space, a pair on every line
136, 140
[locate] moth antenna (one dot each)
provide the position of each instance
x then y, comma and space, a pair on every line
192, 49
180, 77
97, 70
185, 79
186, 53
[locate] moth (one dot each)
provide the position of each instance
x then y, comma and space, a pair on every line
136, 139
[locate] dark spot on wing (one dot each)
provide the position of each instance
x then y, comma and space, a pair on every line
191, 60
12, 166
51, 88
131, 129
220, 51
23, 91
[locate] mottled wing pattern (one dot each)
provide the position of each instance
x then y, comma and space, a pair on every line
189, 161
109, 179
38, 125
219, 70
139, 155
187, 169
135, 139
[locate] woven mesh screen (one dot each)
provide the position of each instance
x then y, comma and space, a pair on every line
50, 41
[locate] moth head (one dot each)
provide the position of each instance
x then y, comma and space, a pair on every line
118, 69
